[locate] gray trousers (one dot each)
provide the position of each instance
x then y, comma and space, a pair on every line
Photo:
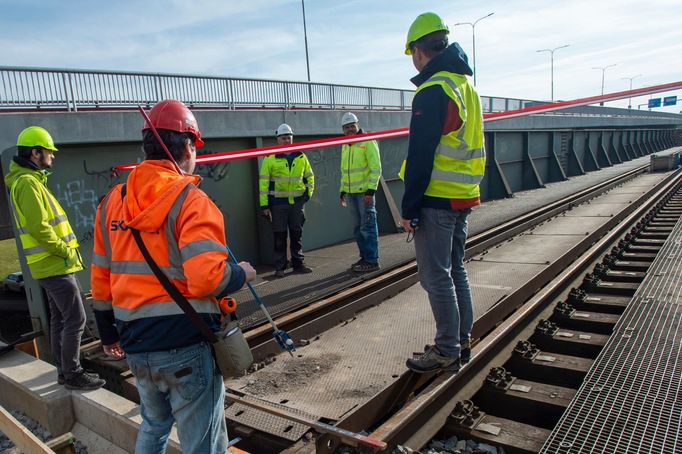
67, 320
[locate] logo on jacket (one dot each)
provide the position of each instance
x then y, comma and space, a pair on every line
118, 225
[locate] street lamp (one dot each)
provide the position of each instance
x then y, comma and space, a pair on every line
630, 79
305, 38
551, 53
603, 70
473, 37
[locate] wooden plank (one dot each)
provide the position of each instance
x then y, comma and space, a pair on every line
513, 436
20, 435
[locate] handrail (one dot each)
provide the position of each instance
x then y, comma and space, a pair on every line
26, 88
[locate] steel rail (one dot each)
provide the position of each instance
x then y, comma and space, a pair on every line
329, 310
412, 419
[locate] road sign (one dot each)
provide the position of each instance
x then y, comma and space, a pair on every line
654, 102
670, 100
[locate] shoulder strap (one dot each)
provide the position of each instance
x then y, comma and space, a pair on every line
172, 290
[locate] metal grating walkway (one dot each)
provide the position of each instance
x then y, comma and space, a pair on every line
631, 401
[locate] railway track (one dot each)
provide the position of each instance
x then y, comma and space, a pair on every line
415, 408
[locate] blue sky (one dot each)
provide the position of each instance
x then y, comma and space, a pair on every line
354, 42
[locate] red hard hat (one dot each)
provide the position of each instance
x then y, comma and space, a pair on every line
174, 116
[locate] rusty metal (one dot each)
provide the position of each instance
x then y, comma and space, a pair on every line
412, 418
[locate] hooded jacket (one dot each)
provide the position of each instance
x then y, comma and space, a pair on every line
33, 199
433, 115
184, 232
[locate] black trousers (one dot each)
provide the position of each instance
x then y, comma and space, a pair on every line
288, 218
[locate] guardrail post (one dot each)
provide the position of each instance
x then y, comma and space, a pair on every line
310, 94
66, 93
158, 88
73, 94
402, 100
331, 96
286, 96
230, 90
369, 98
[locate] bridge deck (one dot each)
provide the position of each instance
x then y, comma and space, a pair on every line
630, 400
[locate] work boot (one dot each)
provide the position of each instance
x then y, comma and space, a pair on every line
465, 353
302, 269
84, 382
365, 267
433, 361
357, 263
279, 273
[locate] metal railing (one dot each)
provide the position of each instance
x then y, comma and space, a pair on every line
69, 89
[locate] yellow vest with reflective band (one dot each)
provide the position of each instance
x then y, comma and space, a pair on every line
360, 167
288, 180
55, 217
459, 162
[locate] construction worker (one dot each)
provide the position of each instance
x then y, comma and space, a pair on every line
184, 231
286, 184
444, 167
360, 173
51, 252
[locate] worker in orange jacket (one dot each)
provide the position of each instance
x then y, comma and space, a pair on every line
183, 230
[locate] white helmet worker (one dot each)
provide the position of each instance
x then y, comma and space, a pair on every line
348, 118
284, 129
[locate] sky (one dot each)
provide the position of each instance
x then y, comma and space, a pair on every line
357, 42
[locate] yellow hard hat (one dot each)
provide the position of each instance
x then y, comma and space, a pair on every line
423, 25
35, 136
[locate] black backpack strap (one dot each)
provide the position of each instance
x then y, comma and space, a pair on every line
172, 290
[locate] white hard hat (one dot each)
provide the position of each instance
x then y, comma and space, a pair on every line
348, 118
284, 129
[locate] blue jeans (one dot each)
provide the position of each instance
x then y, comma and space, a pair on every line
180, 385
439, 246
365, 227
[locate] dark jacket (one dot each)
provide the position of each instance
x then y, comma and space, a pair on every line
433, 115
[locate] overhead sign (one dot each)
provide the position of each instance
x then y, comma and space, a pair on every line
670, 100
654, 102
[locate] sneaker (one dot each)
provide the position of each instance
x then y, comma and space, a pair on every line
366, 267
357, 263
84, 382
279, 273
61, 379
433, 361
303, 269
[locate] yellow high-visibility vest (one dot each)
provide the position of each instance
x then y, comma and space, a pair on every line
459, 162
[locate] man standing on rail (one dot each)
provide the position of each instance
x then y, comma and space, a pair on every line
51, 252
286, 184
444, 167
184, 231
360, 173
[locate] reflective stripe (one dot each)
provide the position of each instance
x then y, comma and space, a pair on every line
100, 260
455, 177
174, 257
199, 247
264, 192
101, 305
296, 193
34, 250
358, 169
163, 309
103, 226
460, 153
142, 268
227, 275
308, 175
285, 179
57, 220
38, 249
450, 83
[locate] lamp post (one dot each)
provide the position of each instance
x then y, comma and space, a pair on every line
551, 53
305, 38
603, 71
630, 79
473, 37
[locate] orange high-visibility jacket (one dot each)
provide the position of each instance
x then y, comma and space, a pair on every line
184, 232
